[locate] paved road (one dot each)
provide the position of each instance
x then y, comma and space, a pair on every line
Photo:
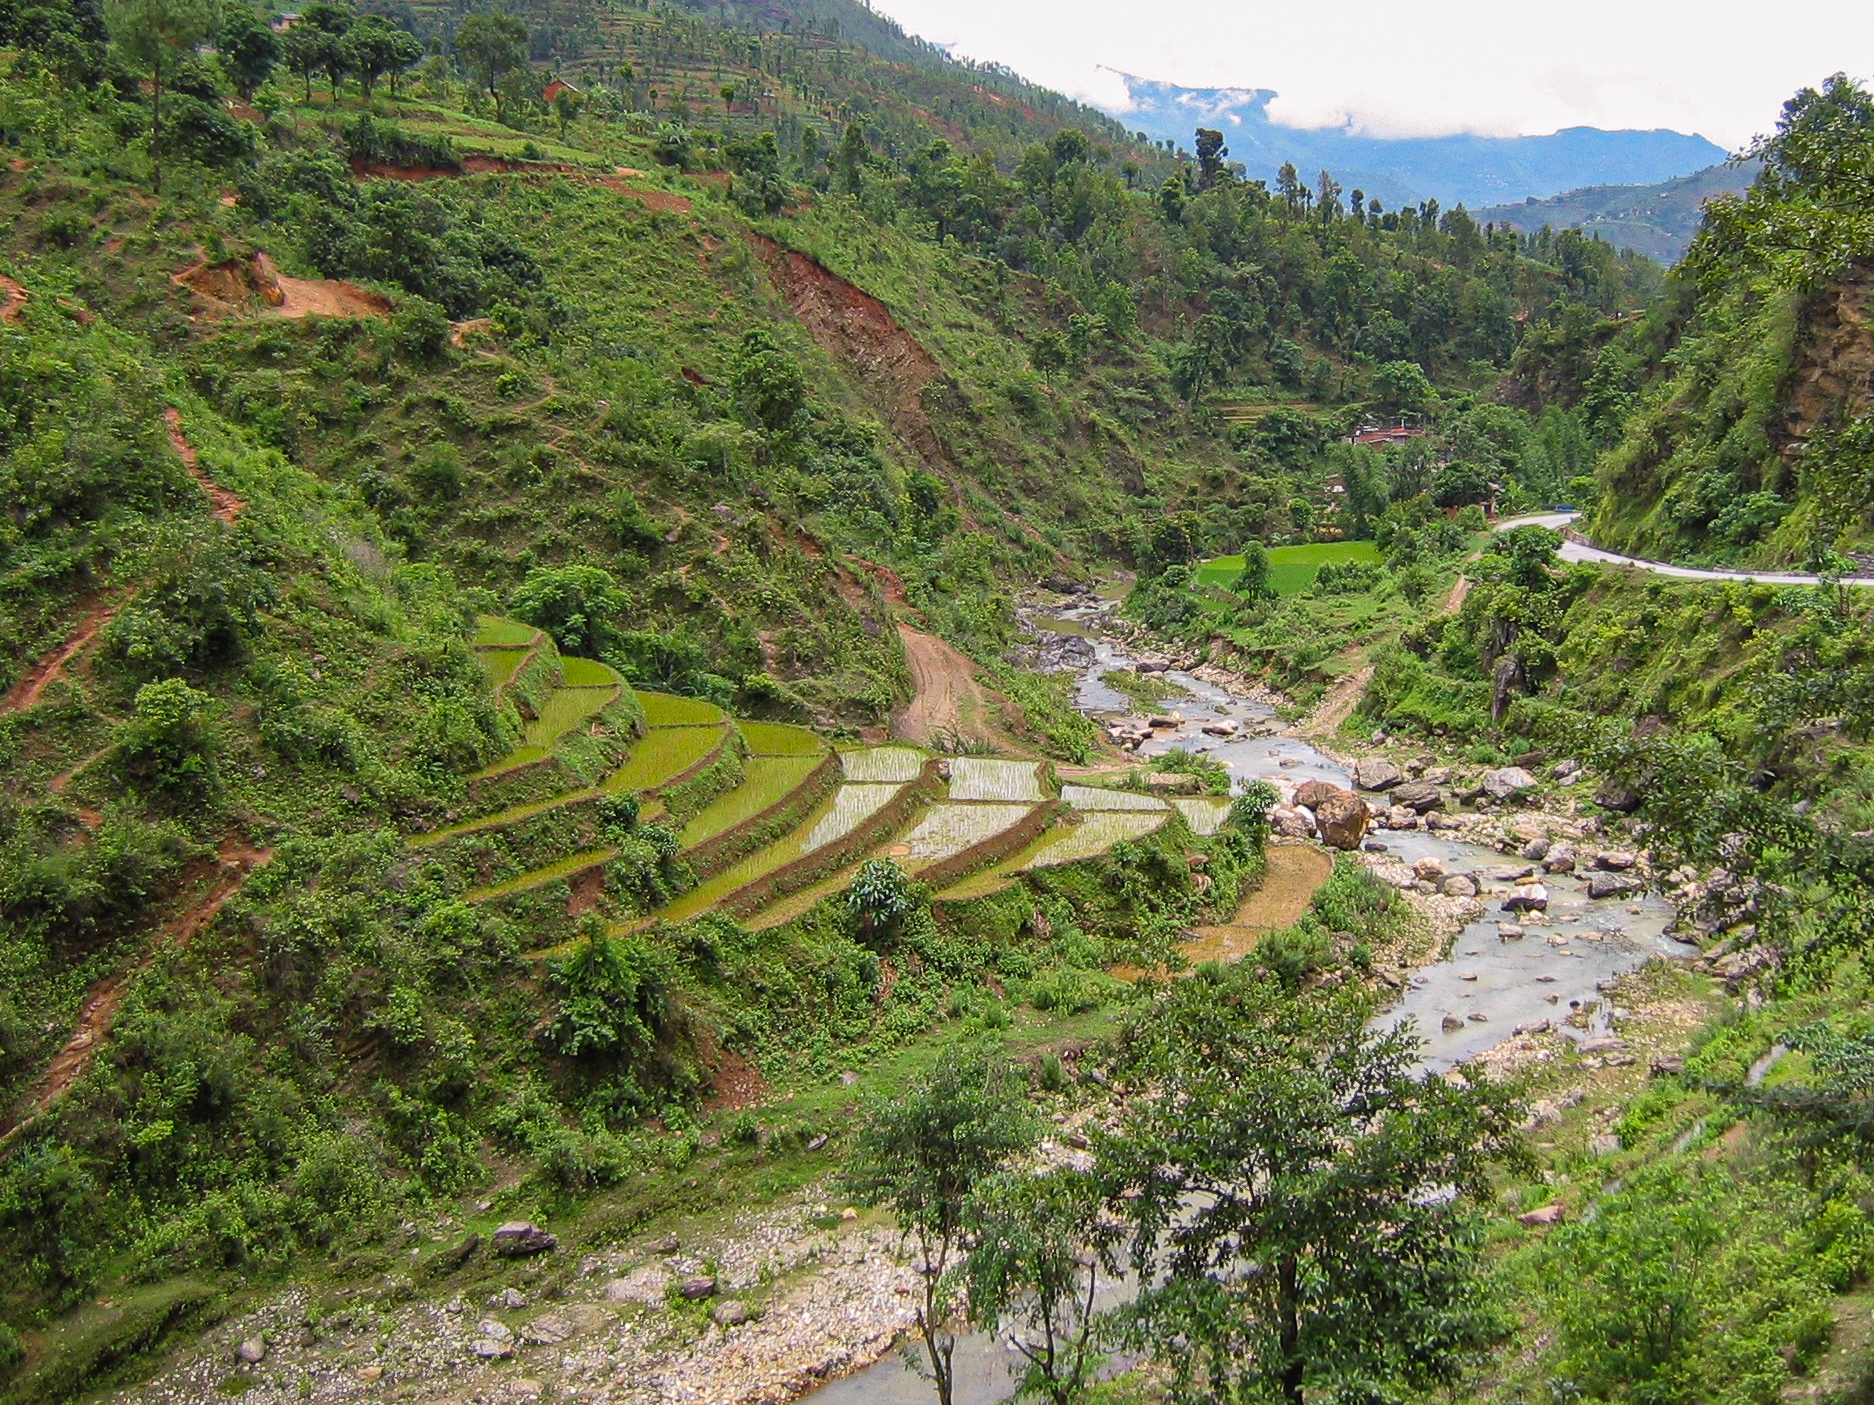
1579, 551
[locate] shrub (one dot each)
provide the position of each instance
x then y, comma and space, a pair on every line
169, 746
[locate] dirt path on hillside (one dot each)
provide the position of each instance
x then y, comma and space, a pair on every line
12, 300
227, 505
1460, 588
1341, 698
49, 669
232, 864
944, 690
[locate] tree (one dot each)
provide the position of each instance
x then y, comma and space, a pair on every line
303, 51
852, 158
326, 26
373, 46
1253, 581
154, 35
489, 45
248, 49
880, 896
1210, 154
1042, 1245
168, 746
922, 1155
567, 103
766, 383
578, 605
1297, 1194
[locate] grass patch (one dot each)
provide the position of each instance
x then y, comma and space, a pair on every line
493, 633
501, 664
1144, 688
588, 673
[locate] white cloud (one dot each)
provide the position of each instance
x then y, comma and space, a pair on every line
1721, 68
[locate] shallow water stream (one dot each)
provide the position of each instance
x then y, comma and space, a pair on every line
1558, 965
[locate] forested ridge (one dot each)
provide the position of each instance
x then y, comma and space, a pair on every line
459, 533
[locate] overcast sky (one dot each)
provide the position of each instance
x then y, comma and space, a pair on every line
1720, 68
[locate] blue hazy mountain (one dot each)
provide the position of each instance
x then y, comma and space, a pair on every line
1474, 170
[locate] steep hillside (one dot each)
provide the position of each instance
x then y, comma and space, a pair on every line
1751, 398
1656, 220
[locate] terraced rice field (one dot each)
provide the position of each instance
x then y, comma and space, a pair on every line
565, 868
949, 827
974, 778
502, 664
565, 709
845, 810
780, 739
766, 781
1205, 814
1089, 797
882, 763
669, 710
661, 755
1093, 836
493, 633
588, 673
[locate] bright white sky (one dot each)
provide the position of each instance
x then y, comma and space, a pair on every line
1721, 68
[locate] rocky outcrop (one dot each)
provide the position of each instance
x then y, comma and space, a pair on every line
520, 1239
1506, 783
1418, 796
1377, 773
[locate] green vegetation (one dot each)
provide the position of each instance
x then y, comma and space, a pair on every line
1292, 569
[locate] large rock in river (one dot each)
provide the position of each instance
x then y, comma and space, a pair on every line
1418, 796
1376, 773
1507, 782
1312, 793
1342, 819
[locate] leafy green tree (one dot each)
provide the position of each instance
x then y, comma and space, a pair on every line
1297, 1192
155, 36
673, 145
302, 50
490, 45
1042, 1246
248, 50
922, 1154
373, 47
759, 187
1402, 386
879, 896
851, 161
1210, 154
767, 384
326, 26
582, 607
567, 105
1252, 582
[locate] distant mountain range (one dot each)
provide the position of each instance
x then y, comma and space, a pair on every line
1658, 220
1472, 170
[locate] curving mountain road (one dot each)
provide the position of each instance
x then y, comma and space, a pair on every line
1571, 550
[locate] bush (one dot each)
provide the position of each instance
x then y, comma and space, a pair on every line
169, 745
419, 328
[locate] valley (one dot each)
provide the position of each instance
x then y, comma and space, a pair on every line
693, 699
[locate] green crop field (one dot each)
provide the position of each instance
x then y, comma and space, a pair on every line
668, 710
588, 673
882, 763
1292, 569
494, 633
780, 739
950, 827
1204, 814
972, 778
502, 663
1093, 836
661, 755
768, 779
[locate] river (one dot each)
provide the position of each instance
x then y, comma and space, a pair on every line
1507, 982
